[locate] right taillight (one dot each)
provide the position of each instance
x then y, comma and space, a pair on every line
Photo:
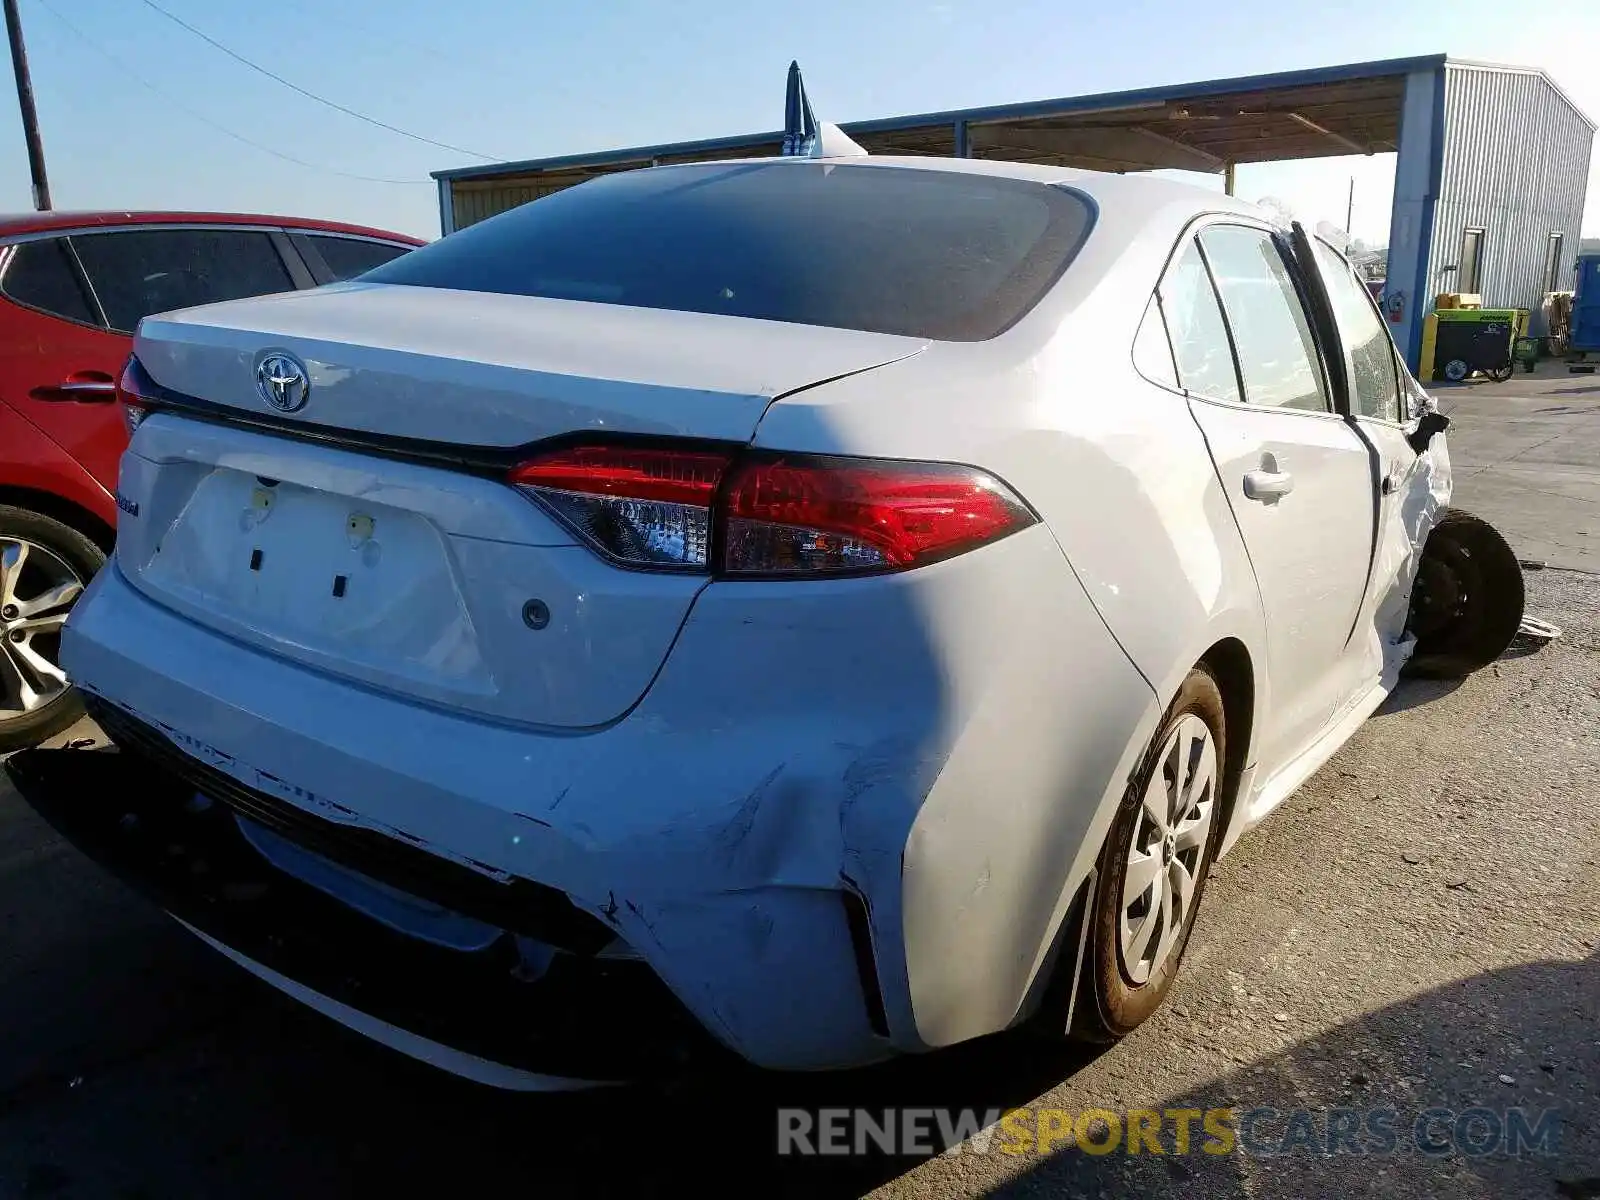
755, 514
133, 395
799, 516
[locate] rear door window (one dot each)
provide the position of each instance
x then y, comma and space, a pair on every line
348, 257
1271, 332
139, 272
921, 252
1369, 351
42, 275
1199, 335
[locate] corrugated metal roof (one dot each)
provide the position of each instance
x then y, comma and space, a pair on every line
1341, 109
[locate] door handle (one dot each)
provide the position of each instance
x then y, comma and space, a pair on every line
1393, 480
1267, 486
96, 389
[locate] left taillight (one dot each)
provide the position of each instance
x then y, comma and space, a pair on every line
754, 514
134, 395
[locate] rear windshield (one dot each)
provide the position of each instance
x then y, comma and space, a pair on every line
926, 253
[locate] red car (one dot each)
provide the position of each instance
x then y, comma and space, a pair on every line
73, 286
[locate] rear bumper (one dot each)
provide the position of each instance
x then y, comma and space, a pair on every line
477, 1013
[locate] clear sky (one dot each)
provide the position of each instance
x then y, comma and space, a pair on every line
523, 80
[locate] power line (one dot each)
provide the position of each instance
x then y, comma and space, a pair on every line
294, 87
323, 15
201, 117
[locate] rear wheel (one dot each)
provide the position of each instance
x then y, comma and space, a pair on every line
1466, 604
44, 566
1153, 869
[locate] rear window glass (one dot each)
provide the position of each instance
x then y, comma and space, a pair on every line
926, 253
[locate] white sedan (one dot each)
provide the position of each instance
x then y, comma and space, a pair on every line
808, 609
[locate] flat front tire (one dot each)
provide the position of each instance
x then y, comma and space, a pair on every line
1467, 601
1152, 871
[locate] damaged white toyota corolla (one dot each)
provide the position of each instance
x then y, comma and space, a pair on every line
803, 610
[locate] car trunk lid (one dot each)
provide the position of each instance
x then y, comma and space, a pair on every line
477, 370
443, 585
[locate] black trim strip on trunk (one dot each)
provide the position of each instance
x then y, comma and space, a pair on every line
487, 461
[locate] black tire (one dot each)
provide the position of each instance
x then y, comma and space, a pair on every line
1110, 1004
85, 558
1466, 604
1456, 370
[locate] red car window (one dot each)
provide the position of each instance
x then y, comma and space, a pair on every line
139, 272
42, 275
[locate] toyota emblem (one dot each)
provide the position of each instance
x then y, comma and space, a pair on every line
282, 381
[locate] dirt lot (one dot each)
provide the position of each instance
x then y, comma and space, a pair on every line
1419, 927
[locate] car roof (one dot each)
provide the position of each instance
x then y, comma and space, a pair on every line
12, 224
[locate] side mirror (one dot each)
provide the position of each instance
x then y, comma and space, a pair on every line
1430, 424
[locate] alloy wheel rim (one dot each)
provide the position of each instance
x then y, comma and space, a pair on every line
1167, 850
37, 590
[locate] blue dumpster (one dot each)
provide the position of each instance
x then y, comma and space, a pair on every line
1585, 335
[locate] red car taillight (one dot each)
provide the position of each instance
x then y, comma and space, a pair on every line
753, 513
132, 399
796, 516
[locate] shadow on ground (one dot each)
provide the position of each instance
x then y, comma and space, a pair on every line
1414, 693
277, 1102
1454, 1048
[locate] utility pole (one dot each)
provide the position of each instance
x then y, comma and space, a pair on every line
1349, 204
30, 115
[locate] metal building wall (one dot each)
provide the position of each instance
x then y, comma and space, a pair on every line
476, 202
1515, 164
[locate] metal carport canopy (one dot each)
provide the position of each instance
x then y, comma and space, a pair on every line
1210, 126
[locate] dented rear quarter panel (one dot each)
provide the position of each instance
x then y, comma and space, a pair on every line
1152, 573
